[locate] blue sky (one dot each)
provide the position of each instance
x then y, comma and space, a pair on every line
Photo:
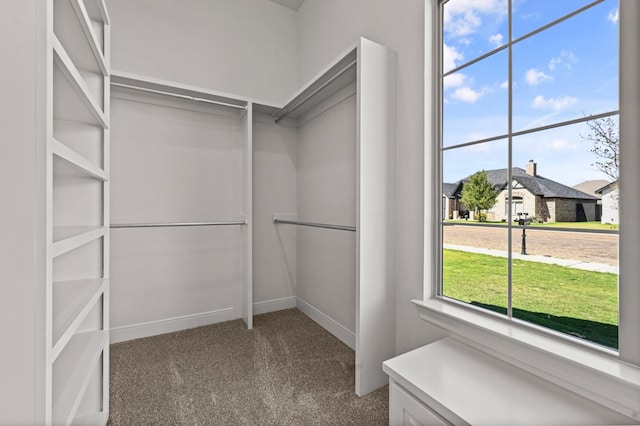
565, 72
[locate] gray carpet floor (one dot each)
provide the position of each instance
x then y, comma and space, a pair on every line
286, 371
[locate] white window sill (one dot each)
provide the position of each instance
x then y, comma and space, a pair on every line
594, 373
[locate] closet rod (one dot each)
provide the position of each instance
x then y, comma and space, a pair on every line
177, 95
316, 225
172, 224
313, 93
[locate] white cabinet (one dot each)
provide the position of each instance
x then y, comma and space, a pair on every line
448, 382
406, 410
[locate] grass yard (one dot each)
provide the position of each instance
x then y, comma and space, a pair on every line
573, 301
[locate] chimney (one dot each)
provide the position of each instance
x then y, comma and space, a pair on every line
532, 168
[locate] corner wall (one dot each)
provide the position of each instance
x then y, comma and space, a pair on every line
243, 47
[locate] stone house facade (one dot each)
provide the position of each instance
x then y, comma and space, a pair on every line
540, 198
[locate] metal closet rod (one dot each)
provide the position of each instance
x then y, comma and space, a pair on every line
177, 95
312, 94
316, 225
175, 224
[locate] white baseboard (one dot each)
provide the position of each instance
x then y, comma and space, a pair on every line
347, 336
274, 305
169, 325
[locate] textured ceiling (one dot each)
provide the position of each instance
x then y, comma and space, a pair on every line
291, 4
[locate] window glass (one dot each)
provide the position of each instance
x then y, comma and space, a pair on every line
469, 274
529, 155
565, 260
472, 28
476, 101
529, 15
568, 71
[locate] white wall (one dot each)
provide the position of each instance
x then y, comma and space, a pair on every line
275, 151
22, 214
243, 47
327, 194
325, 29
610, 209
173, 161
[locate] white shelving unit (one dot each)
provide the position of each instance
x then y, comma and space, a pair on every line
346, 130
77, 216
223, 216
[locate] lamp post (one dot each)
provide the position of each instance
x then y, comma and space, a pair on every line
523, 221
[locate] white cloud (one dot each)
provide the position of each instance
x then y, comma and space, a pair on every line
534, 77
555, 104
466, 94
450, 57
566, 59
463, 17
462, 23
614, 16
454, 80
496, 40
505, 84
562, 145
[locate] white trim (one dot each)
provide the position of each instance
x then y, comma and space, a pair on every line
594, 374
169, 325
345, 335
629, 290
274, 305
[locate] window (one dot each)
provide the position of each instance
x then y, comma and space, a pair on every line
528, 141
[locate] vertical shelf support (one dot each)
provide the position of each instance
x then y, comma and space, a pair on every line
246, 296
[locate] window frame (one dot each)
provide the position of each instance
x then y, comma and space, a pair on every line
583, 367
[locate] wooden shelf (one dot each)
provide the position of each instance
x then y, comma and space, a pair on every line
67, 238
72, 26
65, 153
72, 373
72, 301
75, 80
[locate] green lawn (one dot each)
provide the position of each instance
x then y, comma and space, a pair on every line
573, 301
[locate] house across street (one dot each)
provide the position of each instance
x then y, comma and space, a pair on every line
542, 198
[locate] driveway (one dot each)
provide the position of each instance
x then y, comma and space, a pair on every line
587, 247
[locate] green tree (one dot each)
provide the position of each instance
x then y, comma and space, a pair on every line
479, 194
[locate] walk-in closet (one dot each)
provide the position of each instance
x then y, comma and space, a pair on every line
168, 206
222, 205
228, 212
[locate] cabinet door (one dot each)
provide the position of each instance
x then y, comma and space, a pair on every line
405, 410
